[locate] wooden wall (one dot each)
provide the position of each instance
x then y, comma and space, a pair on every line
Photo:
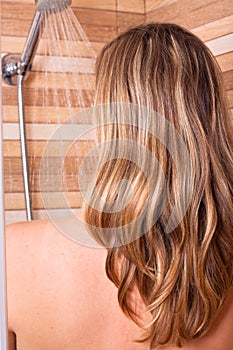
101, 20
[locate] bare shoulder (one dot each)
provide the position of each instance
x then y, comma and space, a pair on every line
19, 236
44, 270
22, 245
42, 236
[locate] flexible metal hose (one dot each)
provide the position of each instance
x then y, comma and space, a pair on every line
20, 82
3, 296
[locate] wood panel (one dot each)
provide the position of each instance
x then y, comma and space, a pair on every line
214, 29
12, 216
19, 11
175, 5
96, 4
14, 164
36, 149
15, 201
16, 185
228, 79
60, 80
127, 20
47, 131
131, 6
104, 33
69, 170
70, 183
221, 45
80, 49
96, 17
101, 34
37, 96
230, 98
22, 1
225, 61
39, 114
155, 4
191, 14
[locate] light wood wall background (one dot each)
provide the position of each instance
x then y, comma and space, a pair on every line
101, 20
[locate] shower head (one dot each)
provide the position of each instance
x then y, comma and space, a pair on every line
43, 7
12, 65
52, 5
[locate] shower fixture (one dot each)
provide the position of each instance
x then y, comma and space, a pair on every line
15, 69
13, 65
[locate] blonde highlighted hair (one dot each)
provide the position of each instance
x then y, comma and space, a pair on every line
182, 276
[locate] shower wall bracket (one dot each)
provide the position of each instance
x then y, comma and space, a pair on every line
12, 66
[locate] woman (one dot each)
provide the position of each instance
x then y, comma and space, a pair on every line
172, 268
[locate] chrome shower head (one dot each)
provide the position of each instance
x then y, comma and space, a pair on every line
52, 5
20, 65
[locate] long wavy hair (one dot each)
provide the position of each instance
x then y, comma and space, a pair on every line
183, 275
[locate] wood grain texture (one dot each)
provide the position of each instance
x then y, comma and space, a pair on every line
189, 14
20, 12
214, 29
12, 216
39, 114
225, 61
221, 45
16, 185
37, 180
96, 17
103, 34
230, 98
46, 131
95, 4
68, 48
131, 6
60, 80
40, 97
152, 5
127, 20
175, 5
36, 149
17, 10
22, 1
228, 79
15, 201
14, 164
